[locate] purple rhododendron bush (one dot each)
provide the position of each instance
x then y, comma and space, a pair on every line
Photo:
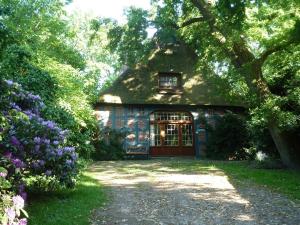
33, 152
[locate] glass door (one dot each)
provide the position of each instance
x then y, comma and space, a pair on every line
171, 135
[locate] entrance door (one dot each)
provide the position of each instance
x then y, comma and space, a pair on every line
172, 133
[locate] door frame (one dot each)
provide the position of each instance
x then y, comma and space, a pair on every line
164, 150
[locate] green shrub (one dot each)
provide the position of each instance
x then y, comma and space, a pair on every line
32, 146
108, 145
228, 138
61, 88
261, 140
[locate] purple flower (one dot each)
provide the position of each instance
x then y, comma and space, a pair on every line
15, 106
74, 156
22, 192
11, 214
34, 97
47, 141
69, 149
9, 82
55, 142
37, 148
7, 155
22, 221
29, 113
18, 202
35, 165
42, 162
14, 141
50, 124
37, 140
69, 162
3, 174
59, 152
48, 173
18, 163
23, 195
62, 134
21, 188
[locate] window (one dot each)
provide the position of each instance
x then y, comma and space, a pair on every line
187, 134
155, 134
171, 135
169, 81
171, 129
173, 116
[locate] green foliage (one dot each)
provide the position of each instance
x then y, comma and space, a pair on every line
39, 26
130, 41
71, 107
232, 12
261, 141
164, 21
16, 64
42, 58
92, 41
282, 72
228, 138
109, 145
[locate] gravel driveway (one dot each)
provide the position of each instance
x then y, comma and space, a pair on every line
152, 193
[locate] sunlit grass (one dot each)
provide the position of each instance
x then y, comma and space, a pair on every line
68, 207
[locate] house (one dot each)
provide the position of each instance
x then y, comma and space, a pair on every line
162, 105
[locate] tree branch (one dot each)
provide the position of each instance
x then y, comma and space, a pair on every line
191, 21
238, 52
218, 35
274, 49
207, 16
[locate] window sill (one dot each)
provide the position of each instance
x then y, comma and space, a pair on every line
169, 91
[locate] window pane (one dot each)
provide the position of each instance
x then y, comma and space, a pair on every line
171, 135
171, 116
155, 135
168, 81
187, 135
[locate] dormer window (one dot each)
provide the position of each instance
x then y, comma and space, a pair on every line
169, 82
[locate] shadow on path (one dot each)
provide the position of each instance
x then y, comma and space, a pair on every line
154, 192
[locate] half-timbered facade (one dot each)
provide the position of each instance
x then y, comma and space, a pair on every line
162, 105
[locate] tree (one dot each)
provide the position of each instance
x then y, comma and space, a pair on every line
242, 36
92, 41
37, 50
130, 41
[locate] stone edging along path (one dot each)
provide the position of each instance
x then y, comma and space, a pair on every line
150, 193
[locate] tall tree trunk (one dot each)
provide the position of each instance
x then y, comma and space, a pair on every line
289, 152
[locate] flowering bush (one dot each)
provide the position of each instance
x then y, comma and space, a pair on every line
31, 143
32, 149
10, 206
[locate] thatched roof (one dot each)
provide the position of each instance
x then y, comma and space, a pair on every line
140, 85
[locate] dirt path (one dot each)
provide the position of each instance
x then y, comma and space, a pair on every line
152, 193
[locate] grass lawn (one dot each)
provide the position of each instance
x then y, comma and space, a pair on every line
67, 207
281, 180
